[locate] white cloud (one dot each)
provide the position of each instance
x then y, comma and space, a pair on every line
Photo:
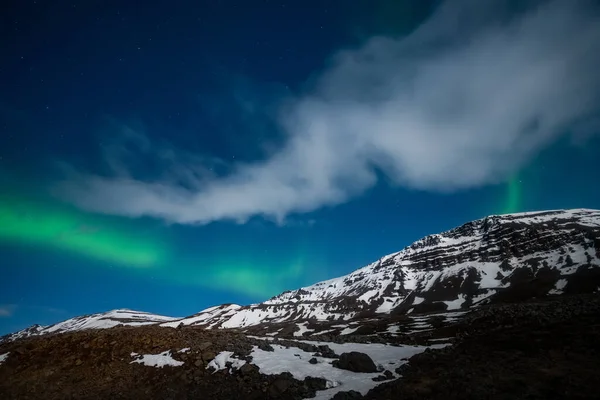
463, 101
7, 310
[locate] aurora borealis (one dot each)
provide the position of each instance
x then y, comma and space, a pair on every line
174, 158
39, 225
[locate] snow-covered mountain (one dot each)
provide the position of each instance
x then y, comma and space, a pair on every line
501, 257
498, 258
95, 321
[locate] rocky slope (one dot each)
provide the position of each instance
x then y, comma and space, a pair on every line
546, 349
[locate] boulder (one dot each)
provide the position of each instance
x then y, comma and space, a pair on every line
315, 383
248, 369
264, 346
208, 356
356, 362
279, 386
205, 345
349, 395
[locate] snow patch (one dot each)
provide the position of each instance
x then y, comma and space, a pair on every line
156, 360
3, 357
393, 329
221, 360
455, 304
302, 329
295, 361
558, 287
348, 331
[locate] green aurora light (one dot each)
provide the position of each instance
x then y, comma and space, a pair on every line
48, 226
514, 196
29, 222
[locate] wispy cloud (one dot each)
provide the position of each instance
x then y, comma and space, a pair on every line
463, 101
7, 310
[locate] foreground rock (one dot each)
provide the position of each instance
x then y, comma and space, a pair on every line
546, 350
106, 364
355, 362
349, 395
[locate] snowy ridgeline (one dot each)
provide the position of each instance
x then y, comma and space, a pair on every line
397, 280
296, 362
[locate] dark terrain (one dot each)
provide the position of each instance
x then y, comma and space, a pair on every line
545, 350
540, 349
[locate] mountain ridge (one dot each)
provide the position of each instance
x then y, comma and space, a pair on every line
482, 261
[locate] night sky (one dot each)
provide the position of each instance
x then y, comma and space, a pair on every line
182, 154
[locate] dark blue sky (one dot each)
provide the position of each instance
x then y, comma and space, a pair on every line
183, 154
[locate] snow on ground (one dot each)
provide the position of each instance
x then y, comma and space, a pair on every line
221, 360
3, 357
368, 295
204, 316
107, 320
303, 328
558, 287
393, 329
442, 339
455, 304
295, 361
156, 360
184, 350
388, 304
348, 331
488, 272
323, 332
420, 325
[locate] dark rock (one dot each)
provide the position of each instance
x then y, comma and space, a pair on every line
313, 361
279, 386
208, 356
265, 346
249, 369
327, 352
349, 395
355, 362
315, 383
387, 375
205, 345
